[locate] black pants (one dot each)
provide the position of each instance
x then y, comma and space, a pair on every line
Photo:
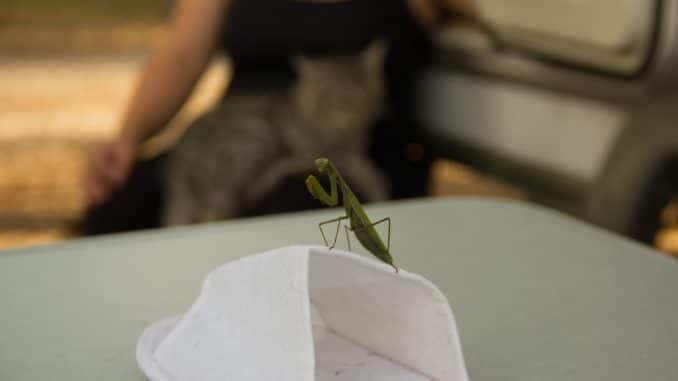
137, 205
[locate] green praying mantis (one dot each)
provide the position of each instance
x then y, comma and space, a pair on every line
359, 222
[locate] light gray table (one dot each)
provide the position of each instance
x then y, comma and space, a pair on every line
537, 295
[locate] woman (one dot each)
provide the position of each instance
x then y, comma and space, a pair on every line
260, 36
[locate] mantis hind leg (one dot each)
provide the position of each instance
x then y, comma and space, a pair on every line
348, 240
336, 234
388, 240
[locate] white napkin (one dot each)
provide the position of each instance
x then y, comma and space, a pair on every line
306, 313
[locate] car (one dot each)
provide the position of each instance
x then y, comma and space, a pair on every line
575, 101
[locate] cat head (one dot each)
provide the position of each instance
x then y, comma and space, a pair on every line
341, 90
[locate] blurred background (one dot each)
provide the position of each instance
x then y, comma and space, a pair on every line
67, 70
567, 104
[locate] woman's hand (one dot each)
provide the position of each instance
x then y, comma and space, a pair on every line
107, 168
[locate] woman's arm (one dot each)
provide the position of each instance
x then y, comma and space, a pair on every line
174, 67
169, 75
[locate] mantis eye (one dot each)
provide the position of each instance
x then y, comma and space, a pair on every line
322, 164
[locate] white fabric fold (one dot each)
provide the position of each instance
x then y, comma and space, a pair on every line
253, 322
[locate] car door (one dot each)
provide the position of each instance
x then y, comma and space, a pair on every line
545, 94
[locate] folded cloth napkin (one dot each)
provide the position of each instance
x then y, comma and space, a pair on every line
306, 313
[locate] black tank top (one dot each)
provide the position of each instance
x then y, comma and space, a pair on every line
262, 35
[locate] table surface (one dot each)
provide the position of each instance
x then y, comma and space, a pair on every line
537, 295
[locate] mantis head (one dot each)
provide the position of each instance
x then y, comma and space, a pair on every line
322, 164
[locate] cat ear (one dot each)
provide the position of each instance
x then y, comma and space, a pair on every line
374, 55
300, 63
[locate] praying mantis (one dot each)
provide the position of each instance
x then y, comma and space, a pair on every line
359, 222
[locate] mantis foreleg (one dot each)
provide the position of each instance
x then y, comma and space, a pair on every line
319, 192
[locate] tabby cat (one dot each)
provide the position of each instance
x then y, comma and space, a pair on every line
241, 151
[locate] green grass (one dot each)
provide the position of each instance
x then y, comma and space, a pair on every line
81, 12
